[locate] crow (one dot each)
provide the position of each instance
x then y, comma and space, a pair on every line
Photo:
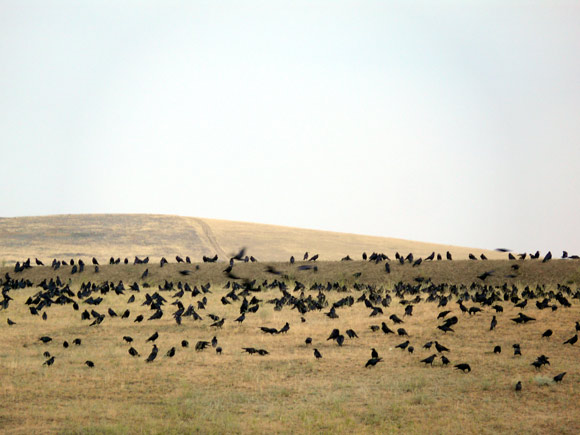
571, 341
133, 352
138, 319
128, 339
442, 314
402, 345
558, 378
153, 354
401, 331
429, 359
89, 364
497, 349
340, 340
45, 339
373, 362
219, 323
547, 333
386, 329
440, 348
374, 353
10, 322
444, 360
333, 335
428, 345
214, 342
154, 337
351, 333
317, 354
184, 343
201, 345
308, 340
493, 324
171, 352
49, 361
65, 344
77, 341
519, 386
218, 350
395, 319
464, 367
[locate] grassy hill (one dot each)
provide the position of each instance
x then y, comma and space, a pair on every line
127, 235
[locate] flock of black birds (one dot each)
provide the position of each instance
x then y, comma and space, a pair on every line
447, 297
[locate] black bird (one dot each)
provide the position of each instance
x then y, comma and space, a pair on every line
218, 350
442, 314
340, 340
429, 359
497, 349
493, 324
214, 342
401, 331
90, 364
65, 344
395, 319
558, 378
428, 345
125, 314
519, 386
464, 367
402, 345
444, 360
334, 334
517, 350
184, 343
547, 333
138, 319
373, 362
522, 318
133, 352
317, 354
128, 339
201, 345
219, 323
410, 349
440, 348
45, 339
572, 340
308, 340
153, 337
374, 353
49, 361
171, 352
46, 354
153, 354
351, 333
77, 341
10, 322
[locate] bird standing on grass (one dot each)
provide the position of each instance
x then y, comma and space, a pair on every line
317, 354
153, 354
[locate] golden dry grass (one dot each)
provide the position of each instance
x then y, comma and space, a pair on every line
288, 391
127, 235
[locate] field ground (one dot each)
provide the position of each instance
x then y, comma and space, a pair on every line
289, 391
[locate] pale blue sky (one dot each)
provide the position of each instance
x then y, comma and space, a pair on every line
452, 122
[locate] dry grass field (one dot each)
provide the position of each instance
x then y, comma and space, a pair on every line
127, 235
288, 390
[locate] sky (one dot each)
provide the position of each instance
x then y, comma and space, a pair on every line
449, 122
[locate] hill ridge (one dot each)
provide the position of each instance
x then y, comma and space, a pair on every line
157, 235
